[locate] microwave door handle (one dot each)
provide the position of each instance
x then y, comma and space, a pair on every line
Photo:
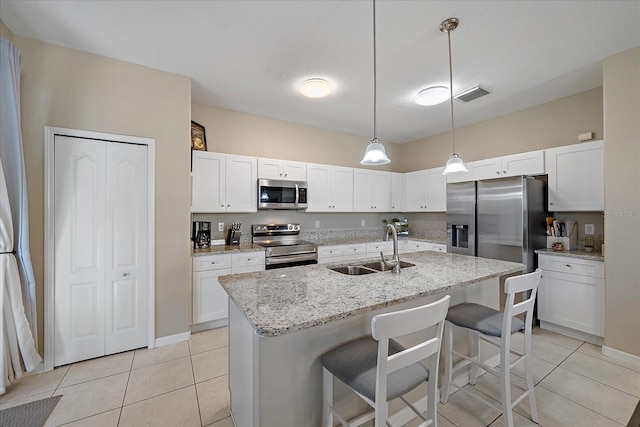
297, 194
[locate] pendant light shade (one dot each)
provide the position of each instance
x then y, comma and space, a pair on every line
374, 154
455, 163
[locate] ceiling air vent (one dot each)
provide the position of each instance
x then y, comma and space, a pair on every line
471, 94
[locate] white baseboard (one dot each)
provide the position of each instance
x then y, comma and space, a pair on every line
173, 339
621, 355
199, 327
579, 335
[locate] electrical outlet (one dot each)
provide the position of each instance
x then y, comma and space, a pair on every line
317, 224
221, 226
362, 223
589, 229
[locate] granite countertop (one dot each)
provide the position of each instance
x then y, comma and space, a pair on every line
282, 301
219, 249
593, 256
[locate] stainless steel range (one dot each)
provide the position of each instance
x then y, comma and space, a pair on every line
283, 245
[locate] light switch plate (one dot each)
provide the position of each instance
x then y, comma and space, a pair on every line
589, 229
362, 223
317, 224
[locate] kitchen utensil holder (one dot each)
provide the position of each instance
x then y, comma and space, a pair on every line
233, 237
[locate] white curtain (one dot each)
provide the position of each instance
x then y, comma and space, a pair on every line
17, 284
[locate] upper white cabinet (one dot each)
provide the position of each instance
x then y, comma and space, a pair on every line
426, 191
330, 188
282, 169
397, 192
224, 183
371, 191
576, 177
531, 163
208, 171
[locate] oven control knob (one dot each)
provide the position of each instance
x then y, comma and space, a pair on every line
290, 226
296, 227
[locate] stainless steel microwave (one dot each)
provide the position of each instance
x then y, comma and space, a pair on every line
279, 194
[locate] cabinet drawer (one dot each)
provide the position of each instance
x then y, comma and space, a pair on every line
379, 247
211, 262
355, 251
569, 265
248, 269
416, 246
438, 247
247, 259
330, 251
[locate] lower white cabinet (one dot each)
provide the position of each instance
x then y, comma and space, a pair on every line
571, 294
210, 300
336, 253
417, 246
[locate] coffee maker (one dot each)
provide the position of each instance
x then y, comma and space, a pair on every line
201, 234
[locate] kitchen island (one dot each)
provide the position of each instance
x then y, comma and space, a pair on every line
281, 321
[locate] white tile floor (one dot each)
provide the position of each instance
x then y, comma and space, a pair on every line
185, 385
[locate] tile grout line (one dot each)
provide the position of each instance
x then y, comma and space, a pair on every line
126, 387
194, 384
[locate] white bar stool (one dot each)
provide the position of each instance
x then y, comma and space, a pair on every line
496, 328
379, 369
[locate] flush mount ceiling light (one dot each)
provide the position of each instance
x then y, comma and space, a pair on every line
432, 95
455, 163
374, 154
315, 88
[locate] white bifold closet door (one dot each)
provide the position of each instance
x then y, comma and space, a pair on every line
101, 256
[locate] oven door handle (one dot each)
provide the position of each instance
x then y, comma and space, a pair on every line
297, 194
270, 254
287, 259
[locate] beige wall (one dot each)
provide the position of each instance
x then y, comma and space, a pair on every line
5, 32
548, 125
68, 88
238, 133
622, 201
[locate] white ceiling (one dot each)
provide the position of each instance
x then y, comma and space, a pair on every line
250, 56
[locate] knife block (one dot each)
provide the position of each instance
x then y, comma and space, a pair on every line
233, 237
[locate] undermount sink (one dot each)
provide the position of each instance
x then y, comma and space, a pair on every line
380, 266
354, 270
371, 267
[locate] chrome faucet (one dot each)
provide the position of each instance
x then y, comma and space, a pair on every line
395, 263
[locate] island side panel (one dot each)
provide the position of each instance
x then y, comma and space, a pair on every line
286, 384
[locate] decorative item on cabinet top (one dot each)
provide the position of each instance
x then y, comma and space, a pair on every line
198, 137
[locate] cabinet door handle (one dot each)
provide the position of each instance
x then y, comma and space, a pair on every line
125, 274
504, 172
213, 262
228, 206
498, 172
550, 203
568, 265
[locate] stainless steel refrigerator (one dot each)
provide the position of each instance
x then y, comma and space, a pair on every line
500, 218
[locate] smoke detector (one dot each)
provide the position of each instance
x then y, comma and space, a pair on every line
471, 94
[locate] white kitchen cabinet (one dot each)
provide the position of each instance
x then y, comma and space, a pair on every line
374, 248
371, 191
571, 295
281, 169
209, 298
397, 192
417, 246
576, 177
426, 191
330, 188
530, 163
247, 262
208, 187
335, 253
223, 183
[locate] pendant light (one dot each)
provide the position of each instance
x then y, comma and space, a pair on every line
455, 163
374, 154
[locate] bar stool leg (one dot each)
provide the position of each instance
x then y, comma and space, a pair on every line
448, 360
505, 381
528, 370
474, 351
